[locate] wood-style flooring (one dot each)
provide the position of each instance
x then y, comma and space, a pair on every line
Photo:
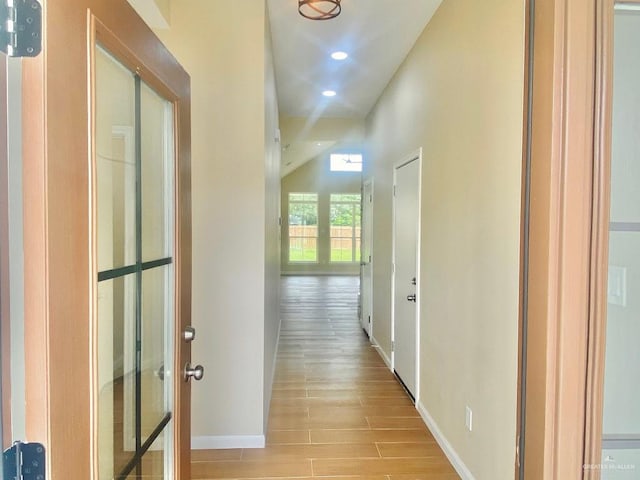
336, 410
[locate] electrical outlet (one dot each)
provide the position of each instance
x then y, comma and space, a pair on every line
468, 419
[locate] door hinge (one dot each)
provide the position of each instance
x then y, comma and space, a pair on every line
518, 451
394, 190
369, 318
20, 27
24, 461
369, 258
393, 346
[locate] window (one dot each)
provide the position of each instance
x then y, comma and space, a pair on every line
345, 227
303, 227
346, 162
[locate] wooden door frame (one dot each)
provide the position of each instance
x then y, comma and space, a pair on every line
568, 236
561, 180
600, 226
59, 299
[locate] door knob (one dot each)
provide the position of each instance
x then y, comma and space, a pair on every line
189, 334
413, 281
411, 298
190, 372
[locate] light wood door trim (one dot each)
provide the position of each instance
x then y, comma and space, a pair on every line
58, 281
562, 178
600, 229
600, 226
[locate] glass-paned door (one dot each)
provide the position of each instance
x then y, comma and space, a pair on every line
621, 416
134, 179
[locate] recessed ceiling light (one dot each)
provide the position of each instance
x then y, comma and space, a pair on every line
339, 55
329, 93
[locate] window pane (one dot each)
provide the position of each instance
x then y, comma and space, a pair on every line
341, 250
116, 374
154, 460
303, 227
345, 227
155, 351
303, 214
345, 197
346, 162
115, 162
303, 249
303, 197
157, 161
342, 215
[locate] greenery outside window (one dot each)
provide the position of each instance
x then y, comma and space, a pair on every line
303, 227
345, 227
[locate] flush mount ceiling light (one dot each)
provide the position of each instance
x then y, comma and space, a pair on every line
329, 93
319, 9
339, 55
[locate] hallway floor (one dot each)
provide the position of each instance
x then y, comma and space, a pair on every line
336, 410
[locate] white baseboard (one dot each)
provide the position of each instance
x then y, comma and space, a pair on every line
447, 448
382, 353
219, 442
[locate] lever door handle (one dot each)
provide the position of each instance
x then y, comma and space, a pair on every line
411, 298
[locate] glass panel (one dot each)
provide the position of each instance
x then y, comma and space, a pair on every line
345, 162
157, 157
345, 197
156, 319
153, 462
303, 249
116, 374
341, 250
344, 216
621, 416
135, 312
303, 227
115, 158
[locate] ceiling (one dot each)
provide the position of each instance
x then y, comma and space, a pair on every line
377, 35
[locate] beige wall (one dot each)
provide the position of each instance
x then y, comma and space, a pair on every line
315, 177
305, 138
459, 95
222, 46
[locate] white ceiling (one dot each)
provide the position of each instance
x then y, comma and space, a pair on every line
377, 35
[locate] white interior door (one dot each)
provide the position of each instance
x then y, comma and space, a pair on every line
405, 241
366, 266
